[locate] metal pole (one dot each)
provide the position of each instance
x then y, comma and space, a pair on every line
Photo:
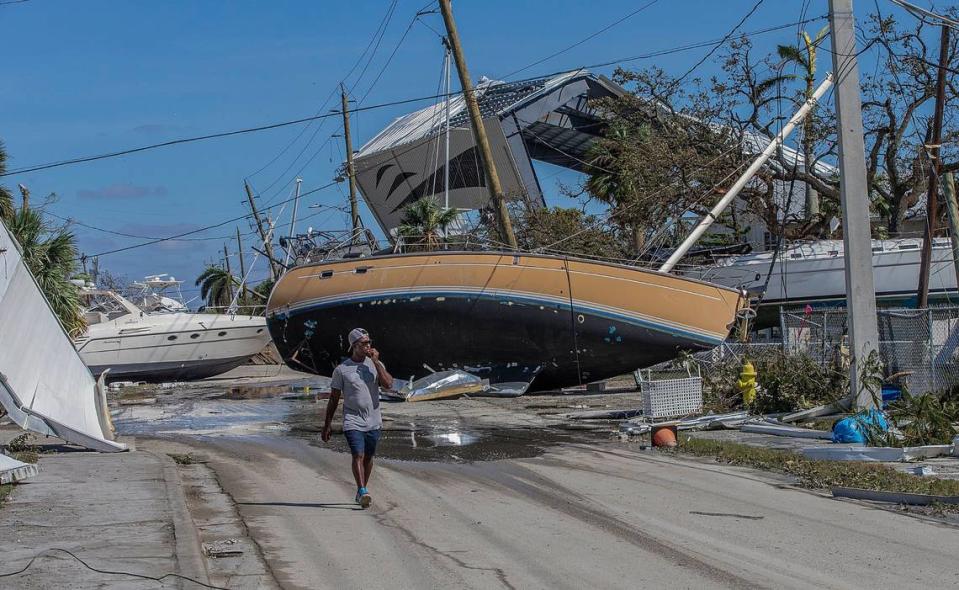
449, 88
296, 202
949, 189
229, 274
239, 252
259, 226
750, 172
479, 131
354, 212
857, 237
932, 194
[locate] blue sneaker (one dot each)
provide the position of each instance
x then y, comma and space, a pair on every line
363, 498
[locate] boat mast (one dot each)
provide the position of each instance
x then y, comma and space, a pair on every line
449, 88
354, 213
746, 177
296, 202
479, 131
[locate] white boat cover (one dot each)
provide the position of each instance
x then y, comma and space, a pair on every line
12, 470
44, 386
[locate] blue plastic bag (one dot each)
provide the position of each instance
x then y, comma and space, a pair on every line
853, 428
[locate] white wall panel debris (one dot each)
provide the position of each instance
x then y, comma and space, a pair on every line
44, 386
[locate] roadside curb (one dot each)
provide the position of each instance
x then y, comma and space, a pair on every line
187, 548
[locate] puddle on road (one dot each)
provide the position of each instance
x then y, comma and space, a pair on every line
433, 443
283, 410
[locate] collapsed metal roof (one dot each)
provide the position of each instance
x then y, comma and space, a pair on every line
551, 119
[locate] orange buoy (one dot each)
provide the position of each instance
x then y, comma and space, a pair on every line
664, 436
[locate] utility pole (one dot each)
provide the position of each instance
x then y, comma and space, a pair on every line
949, 191
932, 194
479, 131
239, 251
229, 274
354, 212
296, 202
856, 234
259, 226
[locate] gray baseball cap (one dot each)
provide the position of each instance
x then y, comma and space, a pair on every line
357, 334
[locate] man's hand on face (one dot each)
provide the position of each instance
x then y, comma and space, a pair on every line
373, 354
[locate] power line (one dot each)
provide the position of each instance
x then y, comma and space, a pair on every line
922, 14
584, 40
698, 44
80, 160
73, 221
125, 152
208, 227
376, 32
721, 42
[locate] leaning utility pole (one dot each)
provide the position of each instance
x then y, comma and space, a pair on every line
932, 194
854, 195
479, 131
354, 212
239, 251
259, 226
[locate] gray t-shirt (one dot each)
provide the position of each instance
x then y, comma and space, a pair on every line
361, 394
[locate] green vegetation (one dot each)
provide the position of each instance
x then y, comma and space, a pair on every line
49, 252
424, 224
787, 383
5, 490
819, 474
216, 287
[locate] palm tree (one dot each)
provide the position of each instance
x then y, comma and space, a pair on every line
424, 224
805, 58
615, 181
6, 199
216, 286
50, 254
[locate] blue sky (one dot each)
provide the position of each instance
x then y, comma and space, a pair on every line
83, 78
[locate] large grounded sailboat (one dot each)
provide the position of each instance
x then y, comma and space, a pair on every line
502, 316
508, 316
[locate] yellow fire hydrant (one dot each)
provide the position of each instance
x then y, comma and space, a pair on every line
747, 383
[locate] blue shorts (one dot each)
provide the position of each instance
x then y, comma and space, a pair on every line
362, 443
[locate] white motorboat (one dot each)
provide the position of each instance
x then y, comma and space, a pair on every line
815, 272
141, 346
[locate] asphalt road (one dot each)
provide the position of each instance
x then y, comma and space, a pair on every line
578, 516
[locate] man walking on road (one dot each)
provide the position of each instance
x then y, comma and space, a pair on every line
358, 379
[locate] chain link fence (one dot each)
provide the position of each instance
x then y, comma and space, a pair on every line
918, 345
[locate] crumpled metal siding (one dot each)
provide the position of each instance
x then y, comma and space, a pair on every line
44, 386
